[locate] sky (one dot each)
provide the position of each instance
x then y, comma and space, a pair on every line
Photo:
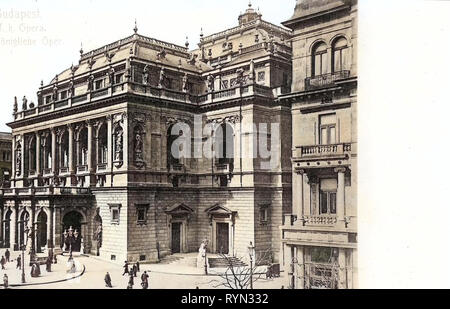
40, 38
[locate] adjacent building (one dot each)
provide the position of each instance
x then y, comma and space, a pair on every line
320, 237
5, 159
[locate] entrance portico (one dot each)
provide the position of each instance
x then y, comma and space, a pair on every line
222, 229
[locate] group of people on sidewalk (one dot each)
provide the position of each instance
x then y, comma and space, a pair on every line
35, 270
132, 273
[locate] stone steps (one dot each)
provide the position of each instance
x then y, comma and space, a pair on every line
221, 262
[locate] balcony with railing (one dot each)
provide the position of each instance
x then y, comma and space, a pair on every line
82, 169
322, 151
325, 80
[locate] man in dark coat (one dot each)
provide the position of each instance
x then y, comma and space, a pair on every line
19, 262
138, 266
7, 255
108, 280
135, 270
130, 282
55, 261
144, 279
125, 268
3, 262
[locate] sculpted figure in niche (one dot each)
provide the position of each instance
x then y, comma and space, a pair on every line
145, 80
185, 83
118, 144
210, 83
162, 76
91, 82
138, 147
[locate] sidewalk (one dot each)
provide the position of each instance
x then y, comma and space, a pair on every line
58, 273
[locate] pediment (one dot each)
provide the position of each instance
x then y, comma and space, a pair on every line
219, 210
179, 208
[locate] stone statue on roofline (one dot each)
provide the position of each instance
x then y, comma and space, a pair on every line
15, 107
24, 103
210, 83
145, 80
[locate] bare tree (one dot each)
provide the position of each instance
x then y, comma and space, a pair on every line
238, 276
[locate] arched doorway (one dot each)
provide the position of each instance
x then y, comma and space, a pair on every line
41, 231
7, 229
23, 223
72, 221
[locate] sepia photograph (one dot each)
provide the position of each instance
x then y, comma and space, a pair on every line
181, 145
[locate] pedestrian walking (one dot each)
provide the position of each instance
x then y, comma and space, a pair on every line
7, 255
48, 264
135, 270
55, 260
125, 268
138, 266
19, 262
5, 281
3, 262
108, 280
144, 279
130, 282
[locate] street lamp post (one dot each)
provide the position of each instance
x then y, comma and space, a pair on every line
26, 231
206, 260
251, 253
71, 236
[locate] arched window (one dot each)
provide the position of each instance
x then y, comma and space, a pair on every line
64, 150
340, 55
319, 60
224, 144
83, 147
173, 155
32, 154
102, 145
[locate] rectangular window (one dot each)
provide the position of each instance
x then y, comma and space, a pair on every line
328, 129
119, 78
142, 211
327, 197
63, 95
99, 84
115, 213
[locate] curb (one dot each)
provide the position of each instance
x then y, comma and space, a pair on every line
49, 282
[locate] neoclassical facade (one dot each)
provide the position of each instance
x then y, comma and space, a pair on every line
96, 153
320, 237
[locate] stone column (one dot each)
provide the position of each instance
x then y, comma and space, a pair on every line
299, 256
13, 158
288, 266
13, 233
22, 161
89, 147
109, 120
53, 132
340, 196
38, 154
342, 284
57, 229
33, 226
50, 229
298, 196
125, 140
71, 165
